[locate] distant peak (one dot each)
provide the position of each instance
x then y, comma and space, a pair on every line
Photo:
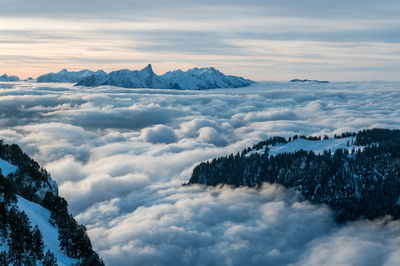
63, 70
148, 68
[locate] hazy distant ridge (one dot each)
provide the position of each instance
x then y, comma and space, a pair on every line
67, 76
5, 77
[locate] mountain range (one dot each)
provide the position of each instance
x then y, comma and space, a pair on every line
193, 79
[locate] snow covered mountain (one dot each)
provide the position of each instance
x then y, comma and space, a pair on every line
193, 79
144, 78
69, 76
5, 77
35, 225
203, 79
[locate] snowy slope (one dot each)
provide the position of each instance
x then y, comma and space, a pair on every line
41, 188
96, 79
68, 76
7, 168
317, 146
40, 216
193, 79
144, 78
5, 77
203, 79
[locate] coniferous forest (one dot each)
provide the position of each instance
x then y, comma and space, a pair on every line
356, 183
25, 243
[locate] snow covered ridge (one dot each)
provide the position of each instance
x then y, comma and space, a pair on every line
68, 76
302, 143
348, 173
193, 79
5, 77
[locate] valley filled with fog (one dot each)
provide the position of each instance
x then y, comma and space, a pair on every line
120, 156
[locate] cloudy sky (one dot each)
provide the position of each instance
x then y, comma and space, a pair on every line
120, 157
261, 40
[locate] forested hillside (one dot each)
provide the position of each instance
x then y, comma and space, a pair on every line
22, 184
359, 180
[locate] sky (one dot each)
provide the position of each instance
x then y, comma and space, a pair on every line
260, 40
119, 157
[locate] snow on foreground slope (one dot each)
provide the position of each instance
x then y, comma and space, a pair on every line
7, 168
40, 216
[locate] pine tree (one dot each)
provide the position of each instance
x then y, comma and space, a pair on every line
16, 241
65, 236
28, 260
3, 258
49, 259
37, 243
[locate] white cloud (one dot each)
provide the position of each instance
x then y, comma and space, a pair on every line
120, 156
159, 134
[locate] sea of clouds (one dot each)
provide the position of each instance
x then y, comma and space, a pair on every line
121, 155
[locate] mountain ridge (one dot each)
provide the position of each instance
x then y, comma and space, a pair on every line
193, 79
67, 76
7, 78
359, 179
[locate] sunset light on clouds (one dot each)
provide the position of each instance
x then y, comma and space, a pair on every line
200, 133
264, 40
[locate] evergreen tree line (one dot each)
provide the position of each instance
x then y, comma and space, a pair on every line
73, 237
361, 183
29, 177
25, 244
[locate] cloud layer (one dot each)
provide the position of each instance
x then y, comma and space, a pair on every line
120, 156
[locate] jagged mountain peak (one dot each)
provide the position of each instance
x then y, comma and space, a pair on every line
148, 68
